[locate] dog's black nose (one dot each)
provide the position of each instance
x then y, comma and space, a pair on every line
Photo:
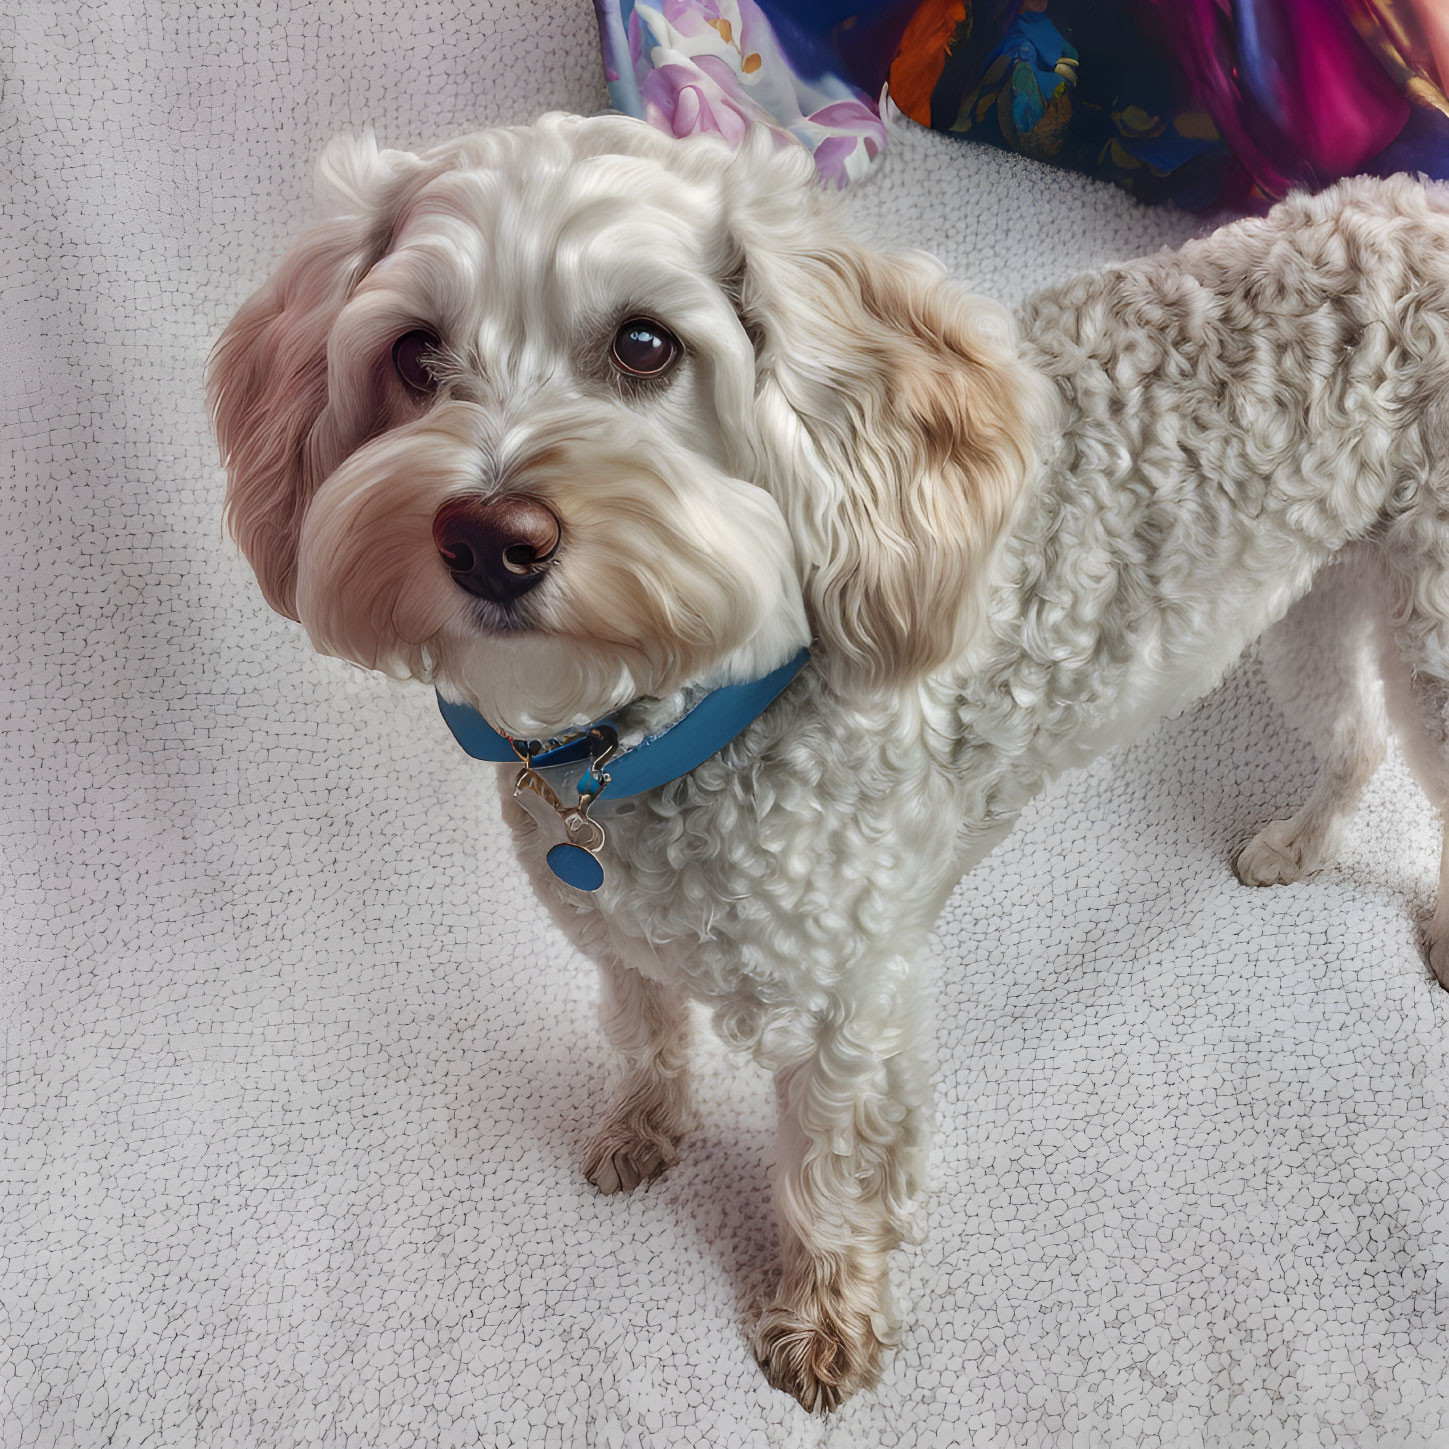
496, 548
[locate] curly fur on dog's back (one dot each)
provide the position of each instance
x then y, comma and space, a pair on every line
1239, 409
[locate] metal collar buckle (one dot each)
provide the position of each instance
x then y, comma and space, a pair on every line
576, 860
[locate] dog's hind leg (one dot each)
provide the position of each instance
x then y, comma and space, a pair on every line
650, 1025
1322, 665
1419, 706
1416, 686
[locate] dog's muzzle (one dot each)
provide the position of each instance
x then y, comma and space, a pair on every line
497, 548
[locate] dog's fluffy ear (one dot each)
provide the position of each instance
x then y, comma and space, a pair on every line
899, 423
266, 382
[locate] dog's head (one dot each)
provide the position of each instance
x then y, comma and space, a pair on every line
559, 416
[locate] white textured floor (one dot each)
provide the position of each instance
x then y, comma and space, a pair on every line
295, 1079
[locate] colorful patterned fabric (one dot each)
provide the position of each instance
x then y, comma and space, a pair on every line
1204, 102
718, 65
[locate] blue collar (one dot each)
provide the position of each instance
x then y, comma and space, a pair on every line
700, 734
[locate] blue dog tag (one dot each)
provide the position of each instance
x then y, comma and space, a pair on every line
574, 866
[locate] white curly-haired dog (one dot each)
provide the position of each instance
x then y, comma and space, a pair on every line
575, 420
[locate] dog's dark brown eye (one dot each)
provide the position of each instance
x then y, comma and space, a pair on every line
643, 348
409, 355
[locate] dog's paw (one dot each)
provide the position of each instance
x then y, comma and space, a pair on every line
1279, 854
818, 1355
631, 1147
618, 1166
1436, 948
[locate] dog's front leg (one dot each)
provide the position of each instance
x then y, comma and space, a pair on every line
852, 1136
648, 1023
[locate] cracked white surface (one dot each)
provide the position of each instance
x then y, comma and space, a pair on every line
295, 1080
